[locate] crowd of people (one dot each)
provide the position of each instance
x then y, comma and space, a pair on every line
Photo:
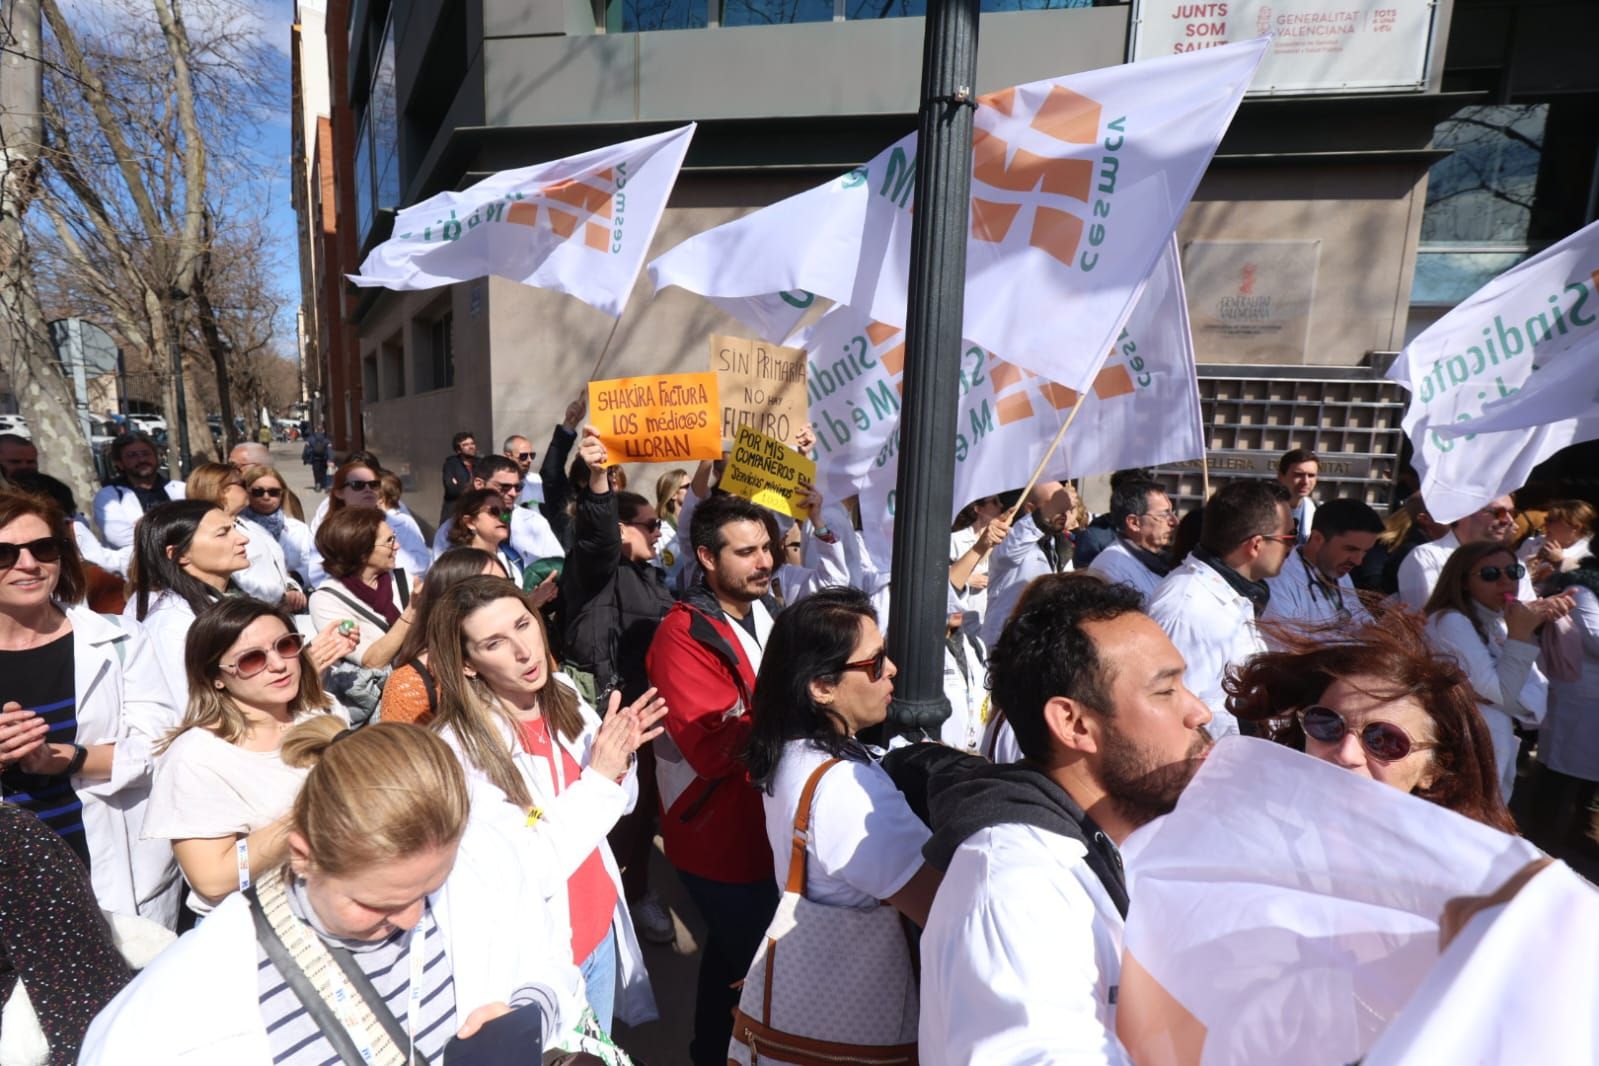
399, 793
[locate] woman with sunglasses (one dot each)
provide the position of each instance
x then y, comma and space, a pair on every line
359, 483
411, 693
222, 793
1473, 615
274, 509
825, 676
364, 585
520, 725
267, 576
480, 521
1381, 703
75, 747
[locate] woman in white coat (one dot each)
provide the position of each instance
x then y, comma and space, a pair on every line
267, 576
269, 509
1473, 614
388, 881
79, 753
523, 728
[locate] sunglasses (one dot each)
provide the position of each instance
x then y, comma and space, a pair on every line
526, 457
873, 667
252, 662
1515, 572
1383, 741
43, 550
267, 493
652, 526
362, 486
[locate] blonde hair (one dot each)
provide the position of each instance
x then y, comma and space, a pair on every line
291, 502
208, 480
1578, 514
373, 795
467, 704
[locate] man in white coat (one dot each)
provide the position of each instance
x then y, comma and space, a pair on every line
1021, 956
1030, 550
1314, 588
137, 488
1144, 520
1209, 604
1297, 471
1495, 520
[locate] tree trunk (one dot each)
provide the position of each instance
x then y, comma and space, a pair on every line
42, 390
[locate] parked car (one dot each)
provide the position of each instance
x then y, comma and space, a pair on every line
15, 424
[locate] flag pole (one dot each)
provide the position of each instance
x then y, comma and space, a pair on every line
609, 337
1038, 471
1204, 477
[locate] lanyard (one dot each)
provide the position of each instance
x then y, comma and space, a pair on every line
346, 1002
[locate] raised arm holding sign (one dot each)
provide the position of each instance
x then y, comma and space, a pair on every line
664, 418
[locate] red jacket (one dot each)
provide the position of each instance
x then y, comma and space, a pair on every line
713, 824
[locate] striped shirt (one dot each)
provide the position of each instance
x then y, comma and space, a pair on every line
41, 680
294, 1037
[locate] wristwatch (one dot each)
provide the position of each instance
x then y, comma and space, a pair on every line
79, 754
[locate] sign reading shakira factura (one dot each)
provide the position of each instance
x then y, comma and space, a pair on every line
659, 419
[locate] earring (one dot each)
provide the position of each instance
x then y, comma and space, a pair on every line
219, 685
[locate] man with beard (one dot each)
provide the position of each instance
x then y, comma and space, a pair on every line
1144, 520
1495, 520
119, 506
1314, 588
703, 660
1021, 956
1032, 548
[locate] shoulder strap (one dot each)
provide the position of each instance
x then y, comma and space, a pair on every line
375, 1000
427, 683
300, 984
802, 826
355, 605
402, 585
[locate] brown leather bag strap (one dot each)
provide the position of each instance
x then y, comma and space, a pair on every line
802, 825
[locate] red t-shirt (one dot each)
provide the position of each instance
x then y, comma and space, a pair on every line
590, 894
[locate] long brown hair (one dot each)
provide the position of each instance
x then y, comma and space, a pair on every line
469, 707
1394, 651
1450, 594
450, 568
212, 634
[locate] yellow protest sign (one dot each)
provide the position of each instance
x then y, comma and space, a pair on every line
763, 386
767, 472
664, 418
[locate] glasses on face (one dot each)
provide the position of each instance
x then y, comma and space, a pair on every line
506, 490
872, 667
390, 541
43, 550
652, 527
261, 493
1161, 516
362, 486
249, 663
1515, 572
1290, 539
1383, 741
526, 457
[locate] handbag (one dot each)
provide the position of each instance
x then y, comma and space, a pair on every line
828, 984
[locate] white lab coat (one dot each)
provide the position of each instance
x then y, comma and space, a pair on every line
117, 510
1569, 741
1021, 957
199, 1002
130, 876
973, 600
1510, 688
1213, 626
1012, 566
968, 696
114, 560
158, 661
295, 543
576, 817
267, 576
412, 554
1304, 599
1119, 566
1304, 516
1419, 571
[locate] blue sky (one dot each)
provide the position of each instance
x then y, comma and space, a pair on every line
272, 142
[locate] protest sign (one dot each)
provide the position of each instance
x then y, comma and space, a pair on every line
659, 419
763, 386
764, 470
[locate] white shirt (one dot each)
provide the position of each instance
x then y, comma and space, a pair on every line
865, 843
532, 536
412, 554
117, 510
1307, 599
295, 541
1304, 514
267, 576
113, 560
1012, 566
968, 696
756, 644
1213, 626
1419, 571
973, 600
1505, 676
1021, 957
1120, 566
335, 603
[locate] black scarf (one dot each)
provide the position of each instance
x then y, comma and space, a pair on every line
1256, 592
1156, 564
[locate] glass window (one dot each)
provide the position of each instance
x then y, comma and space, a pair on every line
1483, 193
385, 126
774, 12
631, 16
363, 180
441, 344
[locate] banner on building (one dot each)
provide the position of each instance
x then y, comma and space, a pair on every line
1325, 46
1143, 411
766, 471
1506, 379
1077, 185
763, 386
666, 418
1249, 301
1288, 909
580, 225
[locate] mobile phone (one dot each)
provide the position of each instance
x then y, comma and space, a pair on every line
513, 1039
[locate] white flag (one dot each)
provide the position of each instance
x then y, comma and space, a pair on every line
1286, 911
1144, 410
1077, 184
580, 225
1506, 379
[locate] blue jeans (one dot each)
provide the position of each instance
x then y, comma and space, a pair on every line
599, 979
736, 917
